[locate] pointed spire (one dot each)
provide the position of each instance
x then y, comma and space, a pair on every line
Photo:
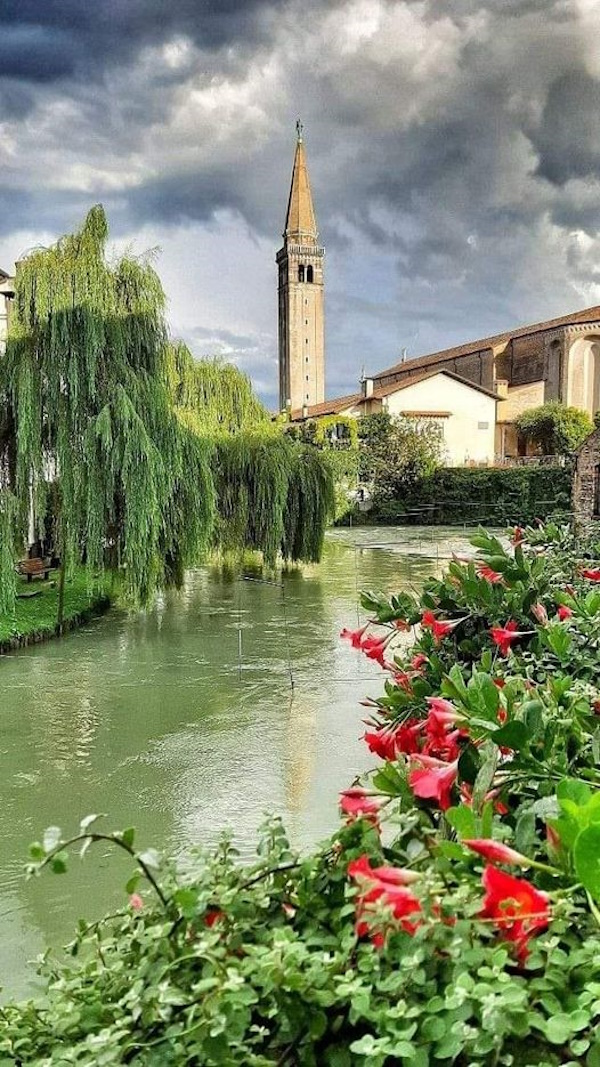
300, 223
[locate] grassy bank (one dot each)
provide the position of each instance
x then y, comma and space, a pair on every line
34, 617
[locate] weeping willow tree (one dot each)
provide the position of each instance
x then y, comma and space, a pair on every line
150, 458
84, 394
212, 397
273, 495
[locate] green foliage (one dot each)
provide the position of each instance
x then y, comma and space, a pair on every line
337, 437
495, 495
274, 963
34, 609
396, 454
119, 427
211, 397
554, 428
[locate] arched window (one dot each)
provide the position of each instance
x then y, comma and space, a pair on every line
309, 274
301, 272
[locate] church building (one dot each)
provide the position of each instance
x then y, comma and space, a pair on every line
301, 296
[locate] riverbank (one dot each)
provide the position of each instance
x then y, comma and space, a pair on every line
34, 617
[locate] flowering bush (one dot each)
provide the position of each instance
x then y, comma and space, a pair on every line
454, 918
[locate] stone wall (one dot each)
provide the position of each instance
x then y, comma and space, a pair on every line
585, 479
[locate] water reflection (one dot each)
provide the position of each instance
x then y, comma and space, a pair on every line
182, 720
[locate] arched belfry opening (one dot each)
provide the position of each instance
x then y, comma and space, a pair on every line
301, 295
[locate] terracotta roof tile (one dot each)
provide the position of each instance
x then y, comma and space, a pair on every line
576, 318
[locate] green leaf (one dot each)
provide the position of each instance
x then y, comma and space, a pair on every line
573, 789
586, 859
485, 777
462, 819
58, 864
36, 851
128, 836
132, 884
513, 735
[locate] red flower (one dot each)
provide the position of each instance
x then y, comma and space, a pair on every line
433, 780
439, 627
135, 902
374, 647
593, 575
496, 852
389, 741
539, 612
357, 804
383, 886
418, 661
361, 869
503, 636
517, 908
354, 636
402, 624
499, 683
564, 612
489, 574
403, 680
517, 536
214, 915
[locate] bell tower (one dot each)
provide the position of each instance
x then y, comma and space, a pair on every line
301, 310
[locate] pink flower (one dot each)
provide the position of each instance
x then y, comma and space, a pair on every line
354, 636
539, 612
564, 612
432, 779
443, 709
592, 575
361, 869
402, 625
503, 636
489, 574
135, 902
357, 804
466, 793
496, 852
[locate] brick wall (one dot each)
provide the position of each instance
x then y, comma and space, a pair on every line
585, 480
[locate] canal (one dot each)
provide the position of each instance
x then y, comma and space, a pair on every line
228, 699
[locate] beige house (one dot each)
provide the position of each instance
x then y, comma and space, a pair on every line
7, 292
554, 360
466, 413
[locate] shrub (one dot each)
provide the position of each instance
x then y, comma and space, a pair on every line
494, 495
454, 916
553, 428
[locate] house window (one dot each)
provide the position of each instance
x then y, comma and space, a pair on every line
301, 273
307, 397
309, 274
483, 425
307, 377
307, 359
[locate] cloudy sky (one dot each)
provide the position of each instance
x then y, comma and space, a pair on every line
453, 146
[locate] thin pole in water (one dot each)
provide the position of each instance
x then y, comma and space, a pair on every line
287, 636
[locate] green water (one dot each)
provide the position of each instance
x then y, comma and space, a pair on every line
183, 720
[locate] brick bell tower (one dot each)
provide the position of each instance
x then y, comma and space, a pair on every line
301, 293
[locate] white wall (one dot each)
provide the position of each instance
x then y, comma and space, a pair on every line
469, 430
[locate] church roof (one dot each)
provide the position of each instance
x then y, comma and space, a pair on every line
300, 220
576, 318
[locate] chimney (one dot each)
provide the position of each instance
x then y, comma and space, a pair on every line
367, 387
501, 386
404, 355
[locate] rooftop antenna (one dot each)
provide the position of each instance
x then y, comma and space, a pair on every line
362, 373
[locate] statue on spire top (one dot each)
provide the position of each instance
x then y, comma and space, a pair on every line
299, 129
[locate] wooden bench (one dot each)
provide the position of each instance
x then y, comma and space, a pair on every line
34, 568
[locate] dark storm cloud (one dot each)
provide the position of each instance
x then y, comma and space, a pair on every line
568, 140
45, 41
453, 148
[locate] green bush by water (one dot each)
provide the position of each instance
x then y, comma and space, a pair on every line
472, 495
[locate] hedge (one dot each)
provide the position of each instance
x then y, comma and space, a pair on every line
488, 495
